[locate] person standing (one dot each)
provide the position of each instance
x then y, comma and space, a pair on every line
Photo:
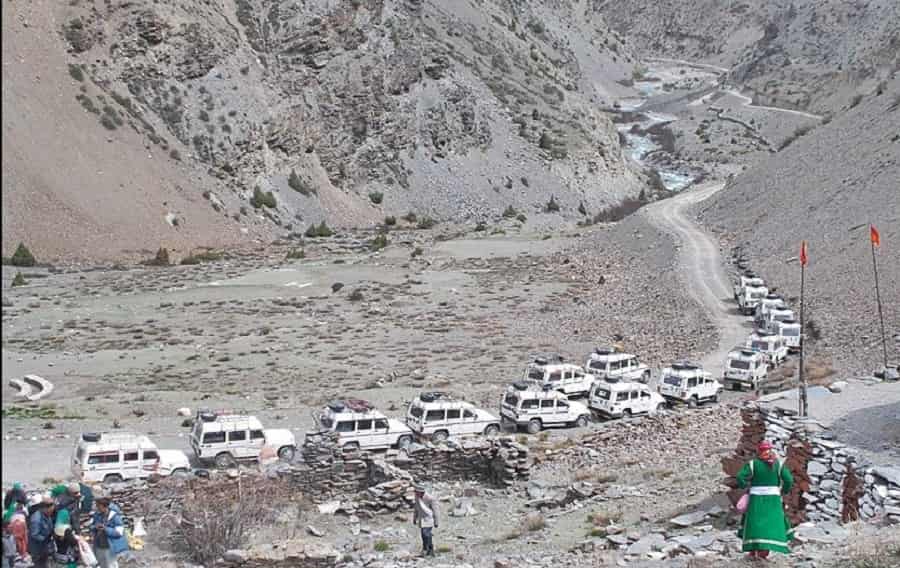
765, 526
70, 501
18, 527
425, 515
16, 494
108, 533
9, 546
40, 532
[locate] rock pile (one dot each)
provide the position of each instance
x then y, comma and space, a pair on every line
287, 554
832, 482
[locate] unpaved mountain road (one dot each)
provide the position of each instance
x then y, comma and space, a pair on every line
702, 270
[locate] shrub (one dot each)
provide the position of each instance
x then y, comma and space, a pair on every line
201, 257
618, 212
480, 227
381, 546
356, 296
552, 206
857, 98
321, 230
416, 252
261, 198
296, 183
295, 254
107, 122
390, 221
582, 209
410, 217
376, 197
524, 181
800, 131
22, 256
521, 218
161, 258
19, 280
379, 242
509, 212
76, 72
175, 155
426, 223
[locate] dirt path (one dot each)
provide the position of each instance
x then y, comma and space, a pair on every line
748, 103
702, 269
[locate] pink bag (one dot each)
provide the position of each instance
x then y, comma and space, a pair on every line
743, 503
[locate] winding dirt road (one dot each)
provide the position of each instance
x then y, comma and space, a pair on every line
702, 269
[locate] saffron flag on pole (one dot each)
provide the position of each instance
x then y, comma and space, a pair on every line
873, 234
803, 258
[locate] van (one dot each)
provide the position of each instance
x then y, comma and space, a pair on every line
614, 399
687, 383
113, 457
359, 425
226, 439
539, 408
566, 378
745, 367
770, 345
438, 416
605, 363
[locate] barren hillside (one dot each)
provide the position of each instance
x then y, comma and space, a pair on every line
121, 116
826, 187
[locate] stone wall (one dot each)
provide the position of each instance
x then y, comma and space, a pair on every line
833, 482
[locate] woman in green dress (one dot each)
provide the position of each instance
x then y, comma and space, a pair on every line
765, 527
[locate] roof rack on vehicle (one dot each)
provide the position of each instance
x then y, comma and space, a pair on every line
684, 365
358, 405
540, 361
91, 436
336, 406
520, 385
434, 395
605, 350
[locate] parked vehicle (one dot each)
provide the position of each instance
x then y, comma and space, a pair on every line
610, 364
563, 377
748, 278
359, 425
750, 296
228, 438
615, 399
119, 456
770, 345
687, 383
789, 332
778, 314
761, 314
524, 405
439, 416
745, 368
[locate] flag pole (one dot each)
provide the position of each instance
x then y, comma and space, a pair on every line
804, 405
878, 300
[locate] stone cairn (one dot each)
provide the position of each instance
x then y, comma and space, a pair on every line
832, 481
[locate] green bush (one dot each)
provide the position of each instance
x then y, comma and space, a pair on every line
161, 258
510, 212
390, 221
410, 217
552, 206
379, 242
320, 230
22, 256
261, 198
521, 218
480, 227
382, 546
376, 197
356, 296
296, 254
175, 155
201, 257
296, 183
426, 223
76, 72
416, 252
19, 280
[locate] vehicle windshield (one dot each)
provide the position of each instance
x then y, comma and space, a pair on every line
326, 422
416, 411
738, 364
602, 393
791, 332
535, 374
674, 380
761, 345
511, 400
757, 295
783, 317
596, 364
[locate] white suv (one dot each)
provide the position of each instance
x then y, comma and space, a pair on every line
745, 367
770, 302
536, 409
609, 364
438, 416
111, 457
359, 425
685, 382
789, 332
229, 438
617, 399
563, 377
770, 345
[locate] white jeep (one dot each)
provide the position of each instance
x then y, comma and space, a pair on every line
564, 377
745, 367
609, 364
229, 438
770, 302
748, 278
770, 345
688, 383
615, 399
536, 408
119, 456
438, 416
750, 295
789, 332
778, 314
359, 425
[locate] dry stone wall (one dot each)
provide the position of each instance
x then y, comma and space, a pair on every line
833, 481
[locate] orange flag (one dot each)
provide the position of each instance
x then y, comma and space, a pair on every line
803, 257
873, 234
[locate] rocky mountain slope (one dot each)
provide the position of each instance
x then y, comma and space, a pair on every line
131, 125
811, 54
826, 187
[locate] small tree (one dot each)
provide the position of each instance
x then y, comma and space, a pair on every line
22, 256
263, 198
376, 197
510, 212
552, 206
19, 280
379, 242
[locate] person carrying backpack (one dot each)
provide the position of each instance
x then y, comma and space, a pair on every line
765, 526
108, 532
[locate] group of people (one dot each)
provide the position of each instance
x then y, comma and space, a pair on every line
46, 528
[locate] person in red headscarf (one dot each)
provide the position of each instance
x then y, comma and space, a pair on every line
765, 526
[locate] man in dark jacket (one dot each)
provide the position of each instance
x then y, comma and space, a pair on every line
40, 533
70, 501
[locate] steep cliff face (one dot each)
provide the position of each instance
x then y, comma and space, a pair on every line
344, 111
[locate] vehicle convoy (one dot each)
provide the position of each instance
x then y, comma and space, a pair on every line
119, 456
229, 438
770, 345
687, 383
745, 368
778, 314
358, 424
749, 292
605, 363
525, 405
615, 399
563, 377
438, 416
761, 314
789, 332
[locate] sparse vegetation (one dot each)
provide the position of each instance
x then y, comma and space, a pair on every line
356, 295
521, 218
320, 230
297, 183
410, 217
201, 257
480, 226
22, 256
379, 242
800, 131
175, 155
390, 221
263, 198
417, 252
381, 546
295, 254
161, 258
76, 72
18, 280
376, 197
510, 212
426, 223
552, 206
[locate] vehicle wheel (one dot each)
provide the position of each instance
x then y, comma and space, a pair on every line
286, 453
660, 407
717, 397
351, 446
693, 402
626, 413
534, 426
225, 460
113, 478
404, 442
582, 421
645, 378
492, 430
440, 436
